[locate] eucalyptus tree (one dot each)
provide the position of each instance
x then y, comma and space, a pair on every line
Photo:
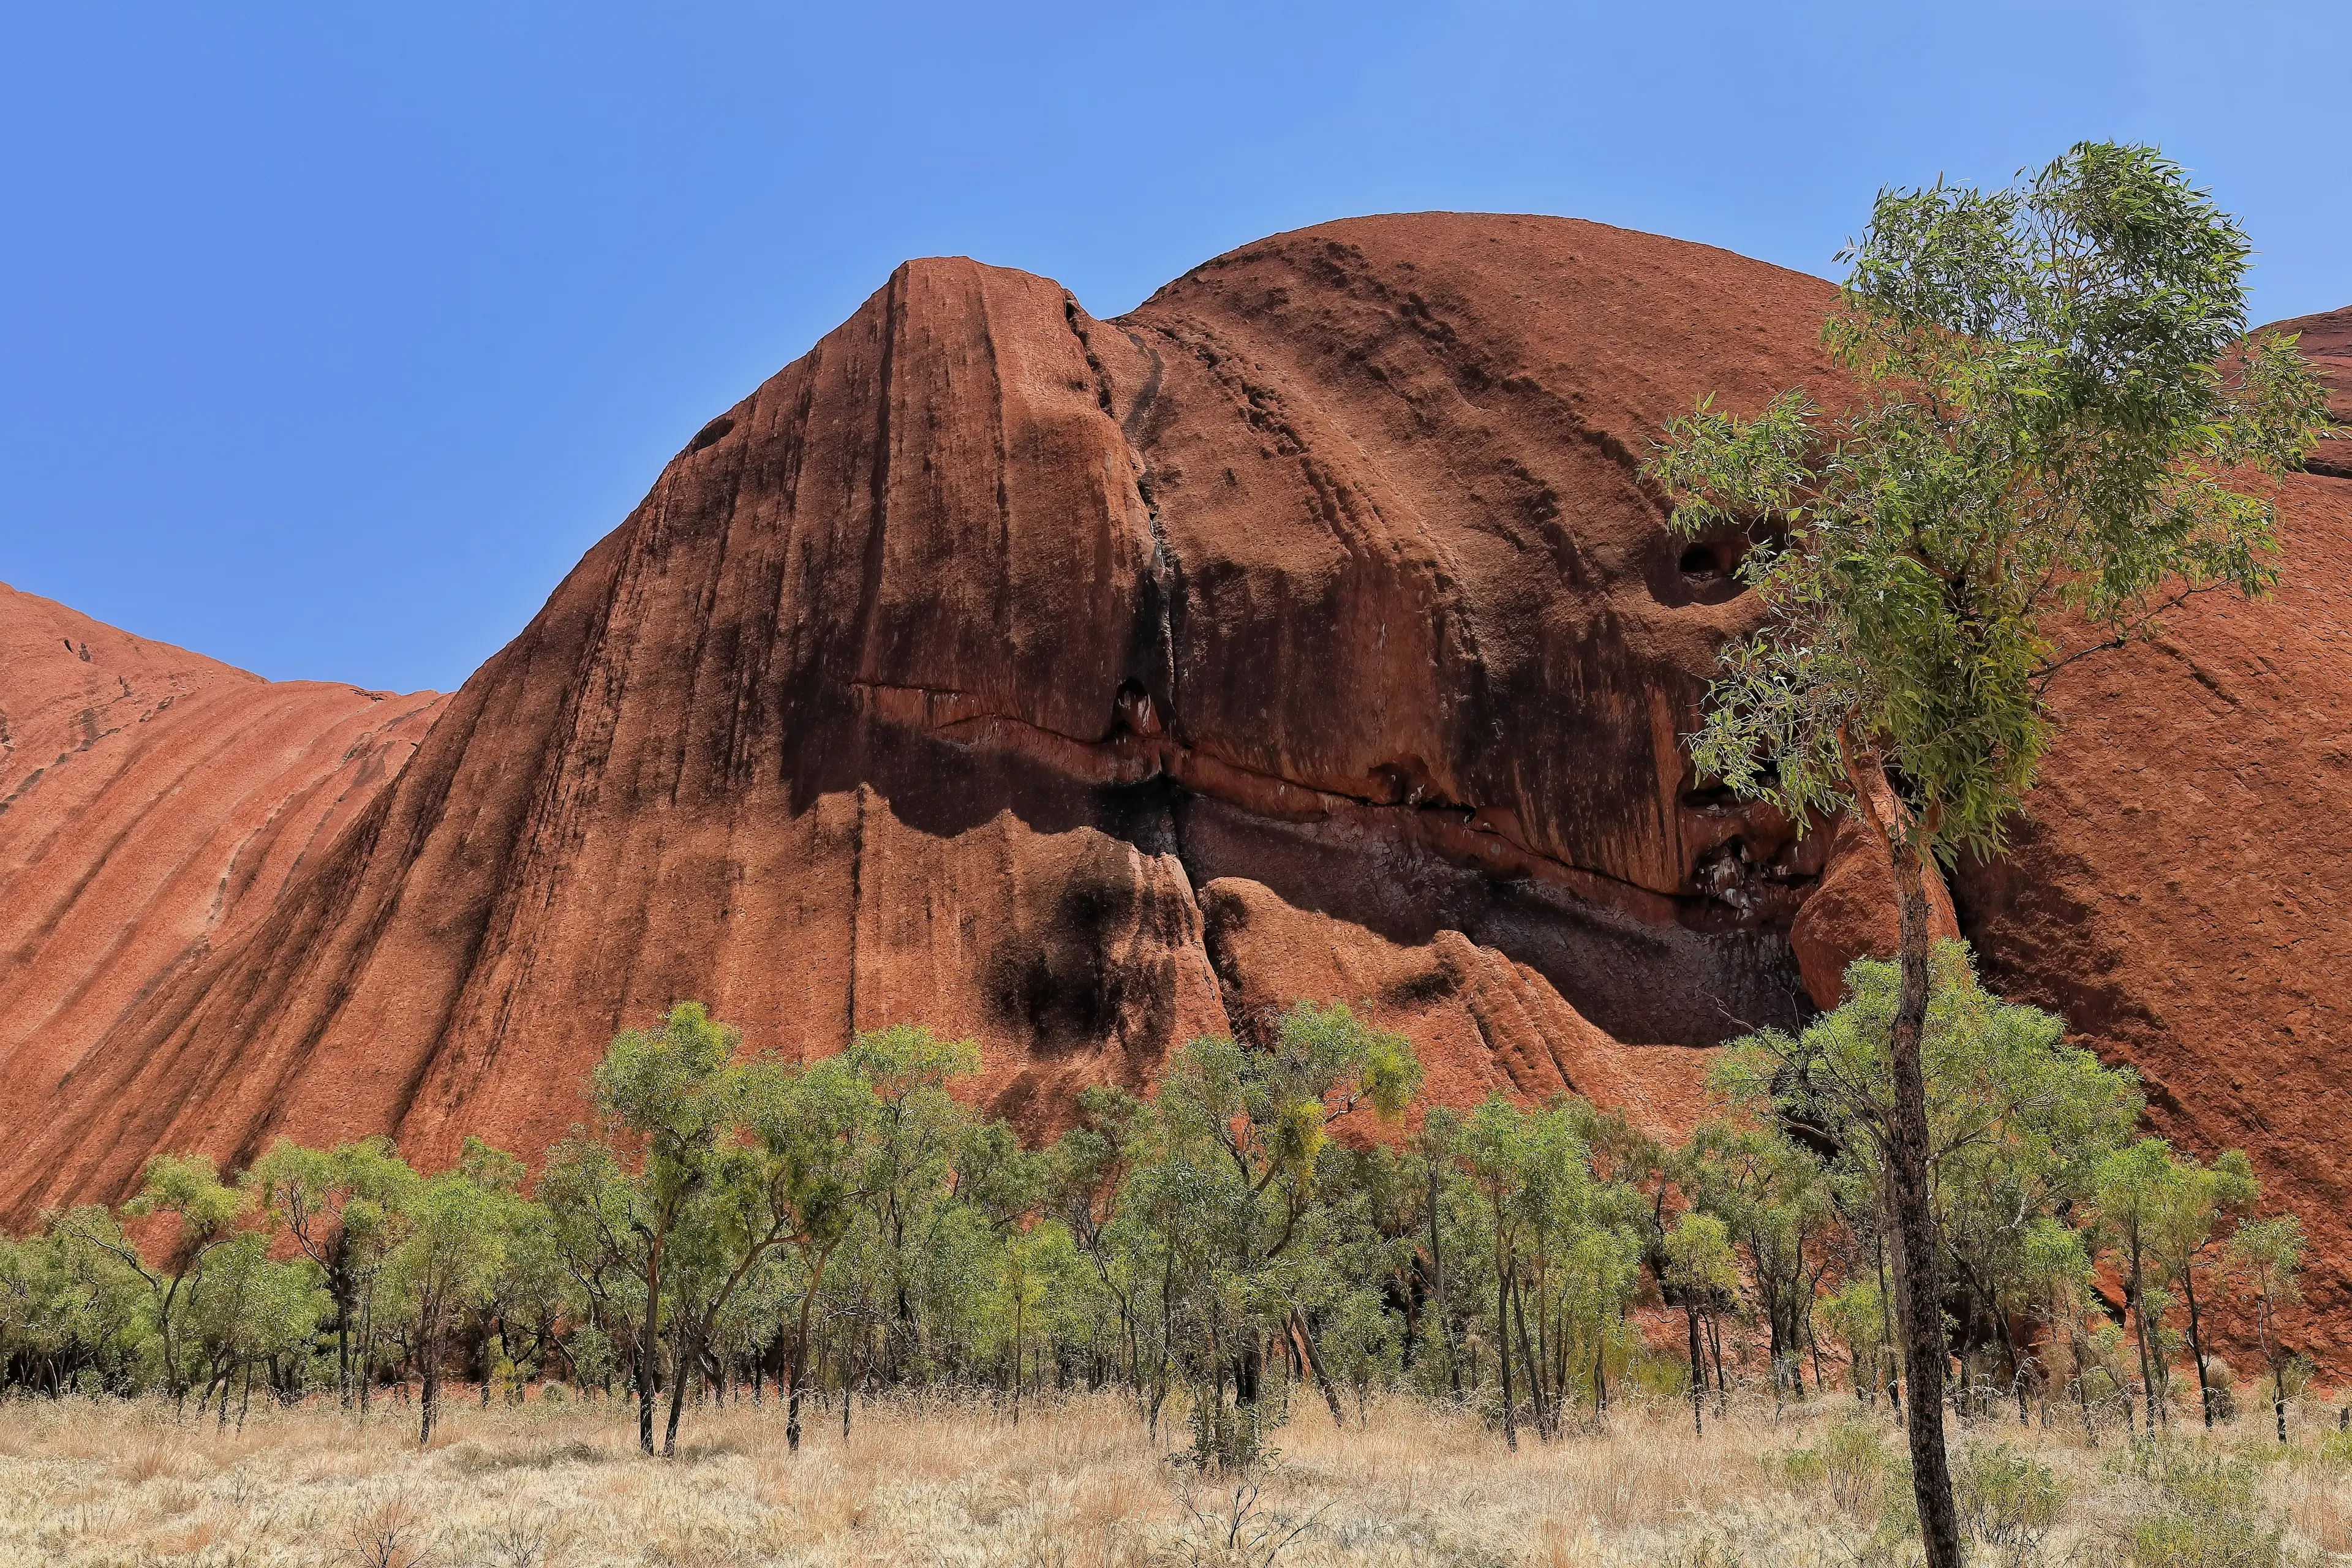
2269, 1255
792, 1186
1704, 1273
1231, 1204
2056, 1274
666, 1101
340, 1206
2133, 1197
1533, 1178
250, 1311
451, 1247
2019, 1119
2166, 1213
1084, 1177
2191, 1232
908, 1158
206, 1212
67, 1309
2056, 431
1774, 1197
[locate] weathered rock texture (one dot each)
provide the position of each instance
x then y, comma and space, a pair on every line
1082, 686
2326, 341
2181, 890
153, 804
936, 678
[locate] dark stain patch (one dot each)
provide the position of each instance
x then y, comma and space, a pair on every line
1086, 978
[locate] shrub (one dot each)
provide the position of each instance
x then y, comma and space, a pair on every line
2006, 1499
1850, 1460
2336, 1449
2203, 1510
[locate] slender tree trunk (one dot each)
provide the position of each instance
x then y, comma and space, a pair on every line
1917, 1295
2197, 1341
366, 1369
1697, 1373
1438, 1286
343, 1336
2136, 1300
681, 1366
1502, 1346
2016, 1363
800, 1356
792, 1402
649, 1350
1315, 1364
1715, 1349
1527, 1356
848, 1387
428, 1404
2271, 1360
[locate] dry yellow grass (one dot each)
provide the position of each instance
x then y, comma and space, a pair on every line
1075, 1485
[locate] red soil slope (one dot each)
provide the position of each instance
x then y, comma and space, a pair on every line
152, 804
1081, 686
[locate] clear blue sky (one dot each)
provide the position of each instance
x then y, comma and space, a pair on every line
331, 336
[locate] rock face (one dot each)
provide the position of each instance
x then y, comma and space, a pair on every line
2326, 341
1083, 686
153, 804
941, 676
2181, 889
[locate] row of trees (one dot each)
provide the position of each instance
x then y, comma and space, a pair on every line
1264, 1225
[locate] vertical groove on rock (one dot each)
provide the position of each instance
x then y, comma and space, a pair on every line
864, 665
856, 906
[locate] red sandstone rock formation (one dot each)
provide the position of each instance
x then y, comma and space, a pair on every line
1081, 686
933, 679
2326, 341
153, 804
2181, 888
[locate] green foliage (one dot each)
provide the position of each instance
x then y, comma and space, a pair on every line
2021, 1127
1698, 1256
2058, 415
2007, 1500
1851, 1462
1259, 1238
2058, 432
2199, 1508
2164, 1213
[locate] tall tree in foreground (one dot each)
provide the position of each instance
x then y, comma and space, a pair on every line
2045, 449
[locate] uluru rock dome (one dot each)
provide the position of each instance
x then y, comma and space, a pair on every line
1082, 686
